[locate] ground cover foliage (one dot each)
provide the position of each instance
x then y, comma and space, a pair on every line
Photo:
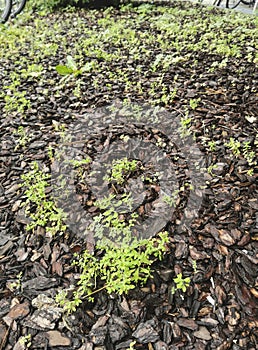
198, 290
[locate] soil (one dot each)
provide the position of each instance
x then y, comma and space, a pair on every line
219, 310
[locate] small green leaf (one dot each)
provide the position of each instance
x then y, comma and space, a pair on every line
77, 72
63, 70
71, 63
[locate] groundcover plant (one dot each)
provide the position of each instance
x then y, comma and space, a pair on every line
81, 265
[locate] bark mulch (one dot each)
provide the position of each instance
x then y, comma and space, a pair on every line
220, 307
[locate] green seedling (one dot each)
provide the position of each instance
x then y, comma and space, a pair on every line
212, 146
25, 341
41, 208
194, 264
17, 285
185, 126
181, 283
194, 102
120, 268
124, 261
50, 153
119, 228
248, 154
69, 68
23, 138
171, 200
78, 163
120, 170
131, 346
33, 70
234, 146
211, 168
16, 102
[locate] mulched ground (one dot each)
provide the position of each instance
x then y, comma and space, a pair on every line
220, 308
